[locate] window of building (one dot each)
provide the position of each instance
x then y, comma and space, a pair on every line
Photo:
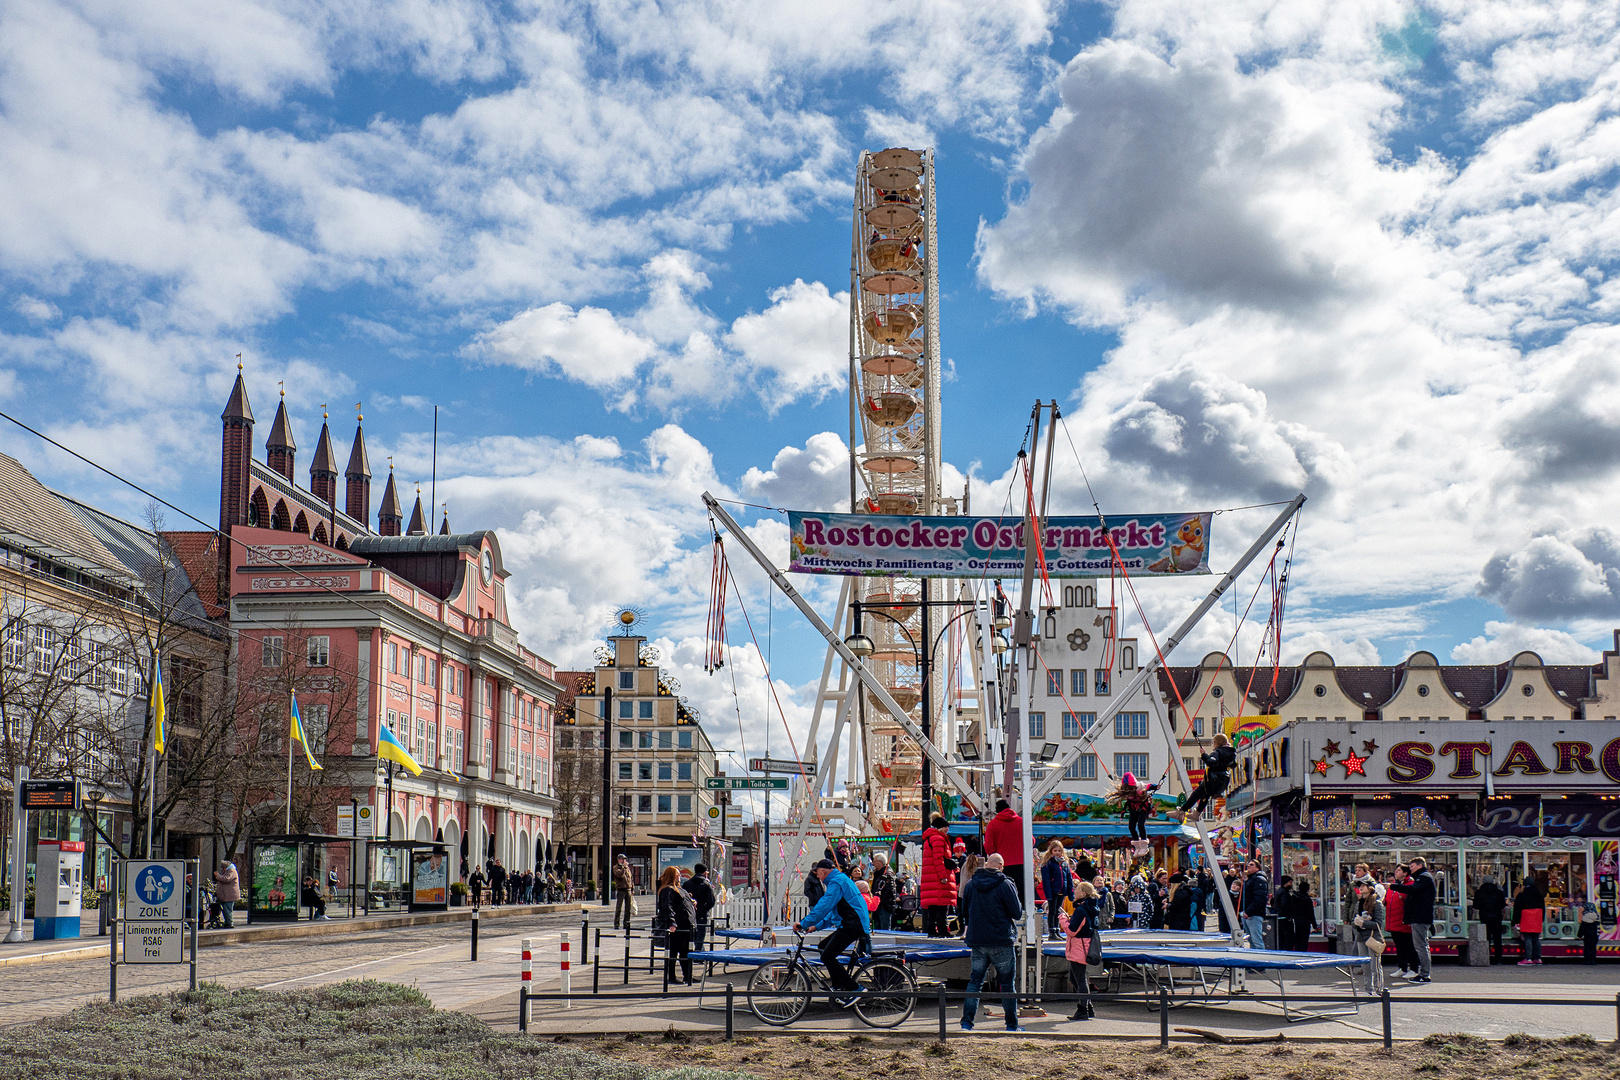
1071, 726
1088, 766
1099, 681
1072, 772
644, 804
1077, 682
320, 650
1127, 658
433, 742
1130, 725
565, 740
391, 659
627, 740
644, 740
1054, 683
644, 710
627, 680
461, 754
627, 710
683, 803
663, 804
274, 651
643, 770
666, 740
683, 771
489, 751
683, 739
1198, 726
625, 769
666, 771
461, 681
1037, 725
1187, 764
421, 737
317, 720
1131, 763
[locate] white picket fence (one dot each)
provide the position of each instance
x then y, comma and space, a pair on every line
746, 908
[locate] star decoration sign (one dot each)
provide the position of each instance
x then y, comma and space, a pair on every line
1353, 765
1368, 747
1331, 748
1321, 767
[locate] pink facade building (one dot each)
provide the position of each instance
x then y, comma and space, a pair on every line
390, 624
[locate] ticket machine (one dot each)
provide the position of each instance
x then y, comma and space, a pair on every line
58, 889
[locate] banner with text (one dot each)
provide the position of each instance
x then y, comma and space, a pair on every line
1150, 545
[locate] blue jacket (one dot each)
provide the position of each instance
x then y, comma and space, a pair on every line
990, 908
842, 904
1056, 880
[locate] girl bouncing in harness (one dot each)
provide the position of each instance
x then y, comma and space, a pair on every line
1136, 800
1218, 765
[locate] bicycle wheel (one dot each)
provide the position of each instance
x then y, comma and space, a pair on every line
777, 993
887, 990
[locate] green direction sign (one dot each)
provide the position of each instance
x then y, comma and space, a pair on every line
747, 783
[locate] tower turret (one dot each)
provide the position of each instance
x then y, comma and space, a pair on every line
236, 452
323, 473
280, 449
357, 477
390, 515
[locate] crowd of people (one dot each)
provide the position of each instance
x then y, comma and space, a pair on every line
492, 883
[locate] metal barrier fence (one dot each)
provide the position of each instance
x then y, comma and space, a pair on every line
942, 997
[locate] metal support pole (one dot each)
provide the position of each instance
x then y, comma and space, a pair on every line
605, 880
475, 934
593, 955
1164, 1017
730, 1010
196, 914
19, 853
627, 956
585, 940
1389, 1029
523, 988
596, 968
523, 1007
112, 951
943, 1027
652, 953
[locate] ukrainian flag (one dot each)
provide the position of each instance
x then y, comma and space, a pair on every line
297, 733
390, 748
159, 714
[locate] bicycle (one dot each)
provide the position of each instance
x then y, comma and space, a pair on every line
779, 992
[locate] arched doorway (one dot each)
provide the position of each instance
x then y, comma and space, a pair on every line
424, 829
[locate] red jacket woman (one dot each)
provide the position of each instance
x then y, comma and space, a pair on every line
938, 885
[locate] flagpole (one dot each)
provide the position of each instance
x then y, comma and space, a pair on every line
289, 785
151, 753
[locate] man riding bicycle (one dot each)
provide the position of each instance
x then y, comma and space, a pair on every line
842, 903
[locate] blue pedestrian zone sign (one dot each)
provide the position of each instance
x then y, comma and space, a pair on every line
154, 885
155, 890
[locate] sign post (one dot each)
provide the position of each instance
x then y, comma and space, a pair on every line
19, 852
746, 783
783, 765
155, 921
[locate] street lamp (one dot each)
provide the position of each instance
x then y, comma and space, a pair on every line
1049, 751
859, 644
968, 750
385, 779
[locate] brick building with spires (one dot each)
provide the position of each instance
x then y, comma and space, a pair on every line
372, 625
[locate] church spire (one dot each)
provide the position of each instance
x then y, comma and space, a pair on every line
236, 455
280, 448
444, 530
418, 525
323, 470
389, 514
357, 477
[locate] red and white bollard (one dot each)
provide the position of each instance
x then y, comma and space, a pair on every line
528, 978
565, 977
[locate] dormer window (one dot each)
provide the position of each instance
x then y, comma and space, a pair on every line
1321, 691
1423, 691
1527, 690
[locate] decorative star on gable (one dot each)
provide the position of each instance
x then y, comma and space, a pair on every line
1330, 749
1368, 747
1353, 765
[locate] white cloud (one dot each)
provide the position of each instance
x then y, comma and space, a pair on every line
588, 345
1502, 641
671, 354
813, 478
1573, 574
1420, 344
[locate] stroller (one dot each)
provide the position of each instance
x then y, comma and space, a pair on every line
214, 919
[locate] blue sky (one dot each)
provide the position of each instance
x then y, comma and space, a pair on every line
1363, 250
